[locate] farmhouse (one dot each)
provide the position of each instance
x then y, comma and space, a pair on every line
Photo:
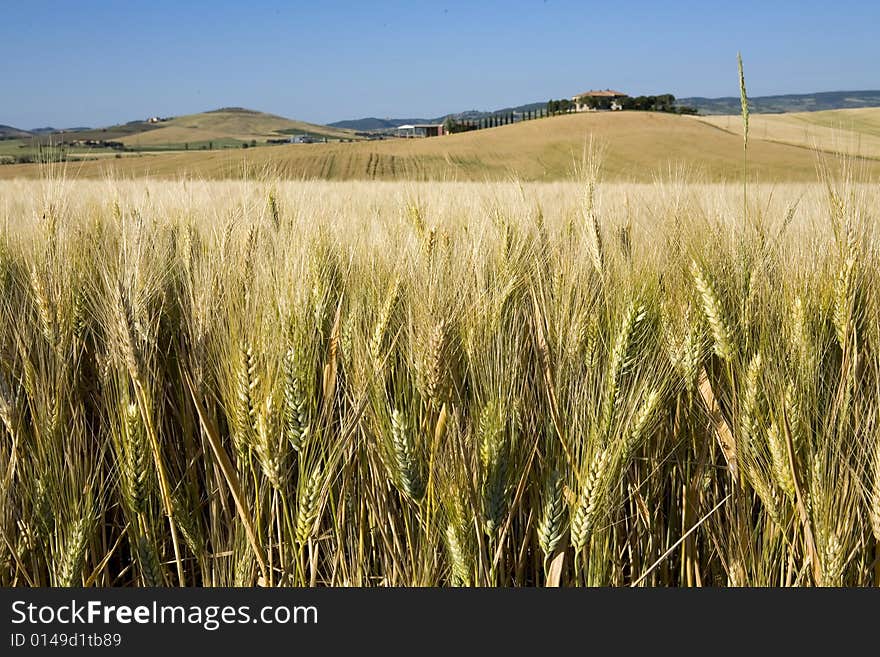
420, 130
598, 99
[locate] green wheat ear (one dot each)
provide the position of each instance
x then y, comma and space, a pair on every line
137, 461
274, 212
590, 499
296, 412
148, 558
408, 469
714, 312
307, 512
459, 556
552, 523
73, 554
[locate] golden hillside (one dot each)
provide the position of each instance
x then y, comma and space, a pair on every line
851, 131
227, 124
638, 146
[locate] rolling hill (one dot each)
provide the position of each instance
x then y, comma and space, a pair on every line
854, 132
8, 132
825, 100
639, 146
226, 124
226, 127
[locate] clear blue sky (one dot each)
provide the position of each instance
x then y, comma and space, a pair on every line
95, 63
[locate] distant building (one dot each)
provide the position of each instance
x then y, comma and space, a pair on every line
420, 130
598, 99
302, 139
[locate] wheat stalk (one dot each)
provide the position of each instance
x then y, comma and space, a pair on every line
380, 329
495, 461
642, 424
721, 332
150, 566
247, 381
436, 372
590, 499
73, 553
750, 400
268, 447
307, 511
843, 302
874, 500
137, 461
779, 460
459, 555
618, 363
296, 419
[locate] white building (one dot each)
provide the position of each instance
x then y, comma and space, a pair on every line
420, 130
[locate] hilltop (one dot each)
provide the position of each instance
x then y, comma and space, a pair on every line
639, 146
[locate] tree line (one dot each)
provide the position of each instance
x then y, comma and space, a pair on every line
659, 103
453, 125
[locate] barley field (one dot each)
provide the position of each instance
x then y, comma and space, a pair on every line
274, 383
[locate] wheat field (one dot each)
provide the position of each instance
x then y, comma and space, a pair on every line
497, 384
854, 132
640, 147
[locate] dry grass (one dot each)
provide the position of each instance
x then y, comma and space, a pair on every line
854, 132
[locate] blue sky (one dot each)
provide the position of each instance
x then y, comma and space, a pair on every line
96, 63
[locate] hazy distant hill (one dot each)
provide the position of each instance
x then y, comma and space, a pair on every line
8, 132
825, 100
48, 130
372, 123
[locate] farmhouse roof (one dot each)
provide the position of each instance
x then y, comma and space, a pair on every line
602, 93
